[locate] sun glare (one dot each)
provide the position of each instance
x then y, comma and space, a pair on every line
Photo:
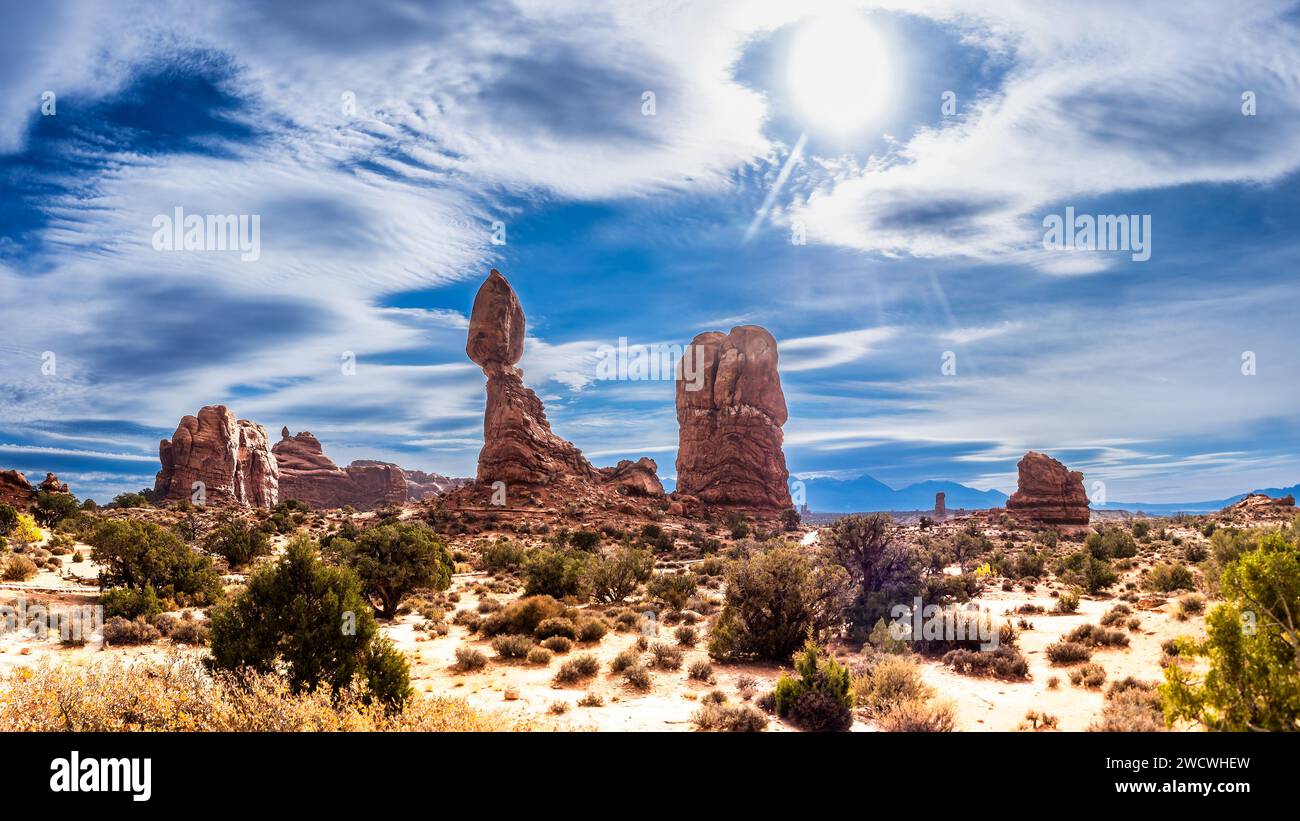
839, 72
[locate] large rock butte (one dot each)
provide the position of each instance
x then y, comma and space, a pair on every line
730, 415
422, 485
231, 458
1048, 492
311, 477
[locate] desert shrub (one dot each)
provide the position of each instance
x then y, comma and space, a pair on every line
673, 589
469, 659
1088, 675
558, 644
523, 615
729, 718
666, 656
1252, 681
539, 655
585, 540
312, 620
1067, 603
129, 604
637, 677
1195, 552
881, 569
17, 568
820, 699
1086, 570
502, 554
1193, 603
615, 578
1068, 652
700, 670
1111, 543
1115, 615
555, 572
1141, 530
591, 700
1002, 662
774, 600
392, 560
592, 630
556, 626
578, 668
1131, 706
915, 715
138, 555
1038, 720
890, 681
189, 630
119, 631
8, 519
511, 646
686, 635
467, 619
238, 541
1093, 635
624, 660
1167, 577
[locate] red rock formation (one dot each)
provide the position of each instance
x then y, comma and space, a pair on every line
15, 490
308, 475
639, 478
1256, 509
378, 484
51, 484
1048, 492
422, 485
518, 445
231, 458
940, 505
730, 441
311, 477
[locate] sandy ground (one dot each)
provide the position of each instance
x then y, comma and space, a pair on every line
981, 704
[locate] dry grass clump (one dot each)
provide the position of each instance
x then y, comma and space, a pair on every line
578, 668
1132, 706
1068, 652
892, 693
1090, 675
714, 716
178, 695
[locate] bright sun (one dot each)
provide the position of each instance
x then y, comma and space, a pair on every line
839, 72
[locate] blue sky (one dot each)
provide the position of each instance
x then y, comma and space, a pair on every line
924, 230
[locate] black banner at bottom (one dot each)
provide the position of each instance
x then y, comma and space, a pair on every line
163, 772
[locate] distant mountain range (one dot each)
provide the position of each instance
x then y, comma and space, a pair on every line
865, 494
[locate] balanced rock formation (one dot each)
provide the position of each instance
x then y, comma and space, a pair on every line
730, 418
15, 490
311, 477
518, 445
231, 459
1048, 492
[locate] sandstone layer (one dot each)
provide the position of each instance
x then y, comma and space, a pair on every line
15, 490
729, 451
311, 477
219, 460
